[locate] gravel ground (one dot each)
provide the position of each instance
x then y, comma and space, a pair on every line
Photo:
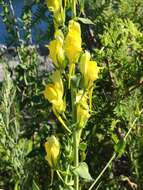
12, 60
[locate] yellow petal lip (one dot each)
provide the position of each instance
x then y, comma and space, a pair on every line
92, 71
50, 93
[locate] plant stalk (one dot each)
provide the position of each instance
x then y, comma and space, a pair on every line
75, 137
74, 2
76, 159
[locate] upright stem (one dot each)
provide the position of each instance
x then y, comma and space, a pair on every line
75, 137
76, 160
74, 2
15, 21
132, 125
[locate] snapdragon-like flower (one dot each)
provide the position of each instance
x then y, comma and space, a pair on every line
54, 92
52, 147
53, 5
56, 50
89, 69
73, 41
82, 109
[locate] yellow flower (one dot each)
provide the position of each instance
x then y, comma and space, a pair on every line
82, 109
73, 41
52, 147
53, 5
56, 50
89, 69
54, 92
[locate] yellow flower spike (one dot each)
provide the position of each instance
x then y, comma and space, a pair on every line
73, 41
53, 5
82, 109
56, 50
52, 148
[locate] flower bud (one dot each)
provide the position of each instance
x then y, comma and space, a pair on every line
82, 109
84, 60
56, 50
73, 41
53, 5
52, 147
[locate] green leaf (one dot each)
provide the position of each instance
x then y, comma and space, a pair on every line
83, 146
115, 138
120, 147
83, 171
35, 186
85, 20
114, 124
29, 146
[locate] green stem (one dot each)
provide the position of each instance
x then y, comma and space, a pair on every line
67, 173
61, 178
90, 98
52, 177
76, 160
71, 73
74, 2
132, 126
59, 175
61, 121
75, 137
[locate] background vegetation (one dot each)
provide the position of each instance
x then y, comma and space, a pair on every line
116, 42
